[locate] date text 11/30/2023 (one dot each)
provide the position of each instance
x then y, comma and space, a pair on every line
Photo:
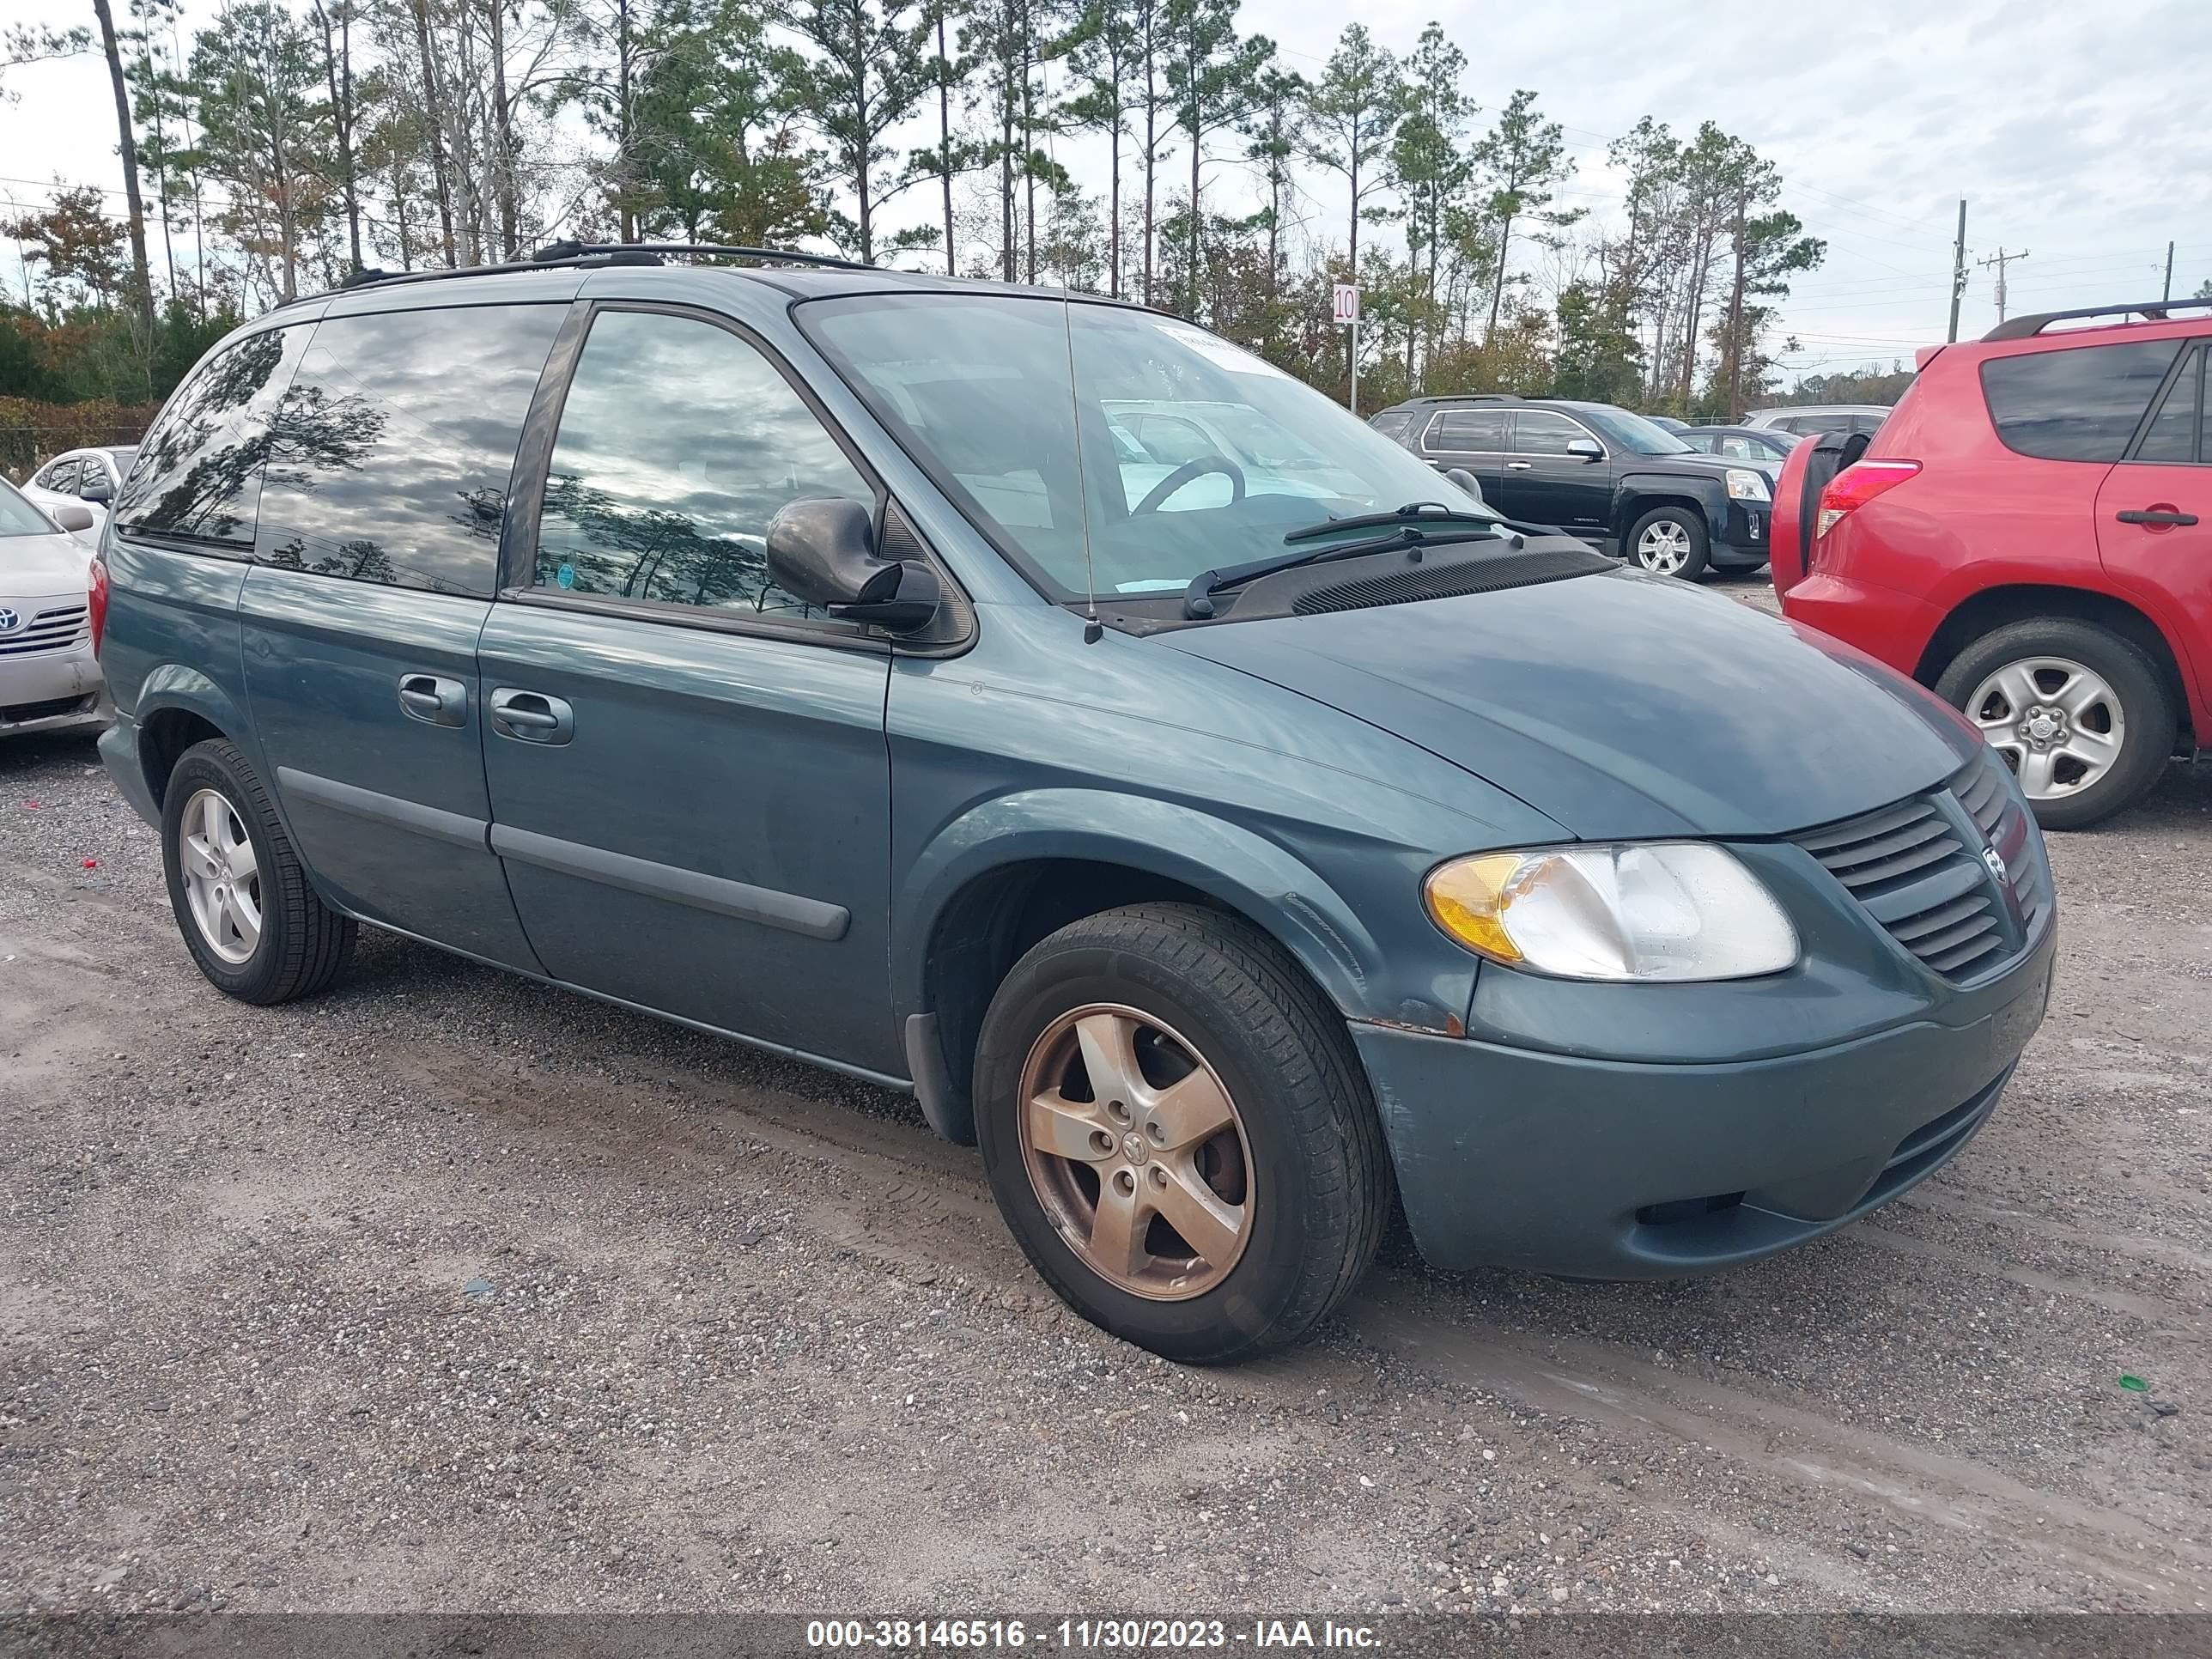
1085, 1635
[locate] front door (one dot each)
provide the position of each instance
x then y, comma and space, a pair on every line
2155, 511
1546, 484
689, 778
374, 564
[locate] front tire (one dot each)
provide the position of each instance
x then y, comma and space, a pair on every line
1178, 1133
243, 902
1670, 541
2079, 714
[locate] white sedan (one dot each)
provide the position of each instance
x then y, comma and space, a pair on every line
91, 478
49, 679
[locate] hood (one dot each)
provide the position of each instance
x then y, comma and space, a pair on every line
43, 566
1698, 461
1620, 705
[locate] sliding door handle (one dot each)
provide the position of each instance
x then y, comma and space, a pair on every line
434, 699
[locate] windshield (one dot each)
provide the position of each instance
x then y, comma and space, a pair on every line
1105, 449
1622, 430
18, 517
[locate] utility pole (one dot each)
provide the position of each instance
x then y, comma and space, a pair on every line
1999, 259
1958, 270
2167, 293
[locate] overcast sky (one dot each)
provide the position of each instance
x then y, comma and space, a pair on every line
2077, 131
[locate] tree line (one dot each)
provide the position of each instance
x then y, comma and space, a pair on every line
274, 150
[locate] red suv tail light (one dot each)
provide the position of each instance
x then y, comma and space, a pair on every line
1857, 485
96, 603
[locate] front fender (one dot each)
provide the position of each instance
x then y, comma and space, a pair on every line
1634, 492
1262, 880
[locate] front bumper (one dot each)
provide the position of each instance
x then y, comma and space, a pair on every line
1601, 1169
1742, 542
51, 691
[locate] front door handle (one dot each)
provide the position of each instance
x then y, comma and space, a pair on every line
2161, 516
531, 716
434, 700
1519, 466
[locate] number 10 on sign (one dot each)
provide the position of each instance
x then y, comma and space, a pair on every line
1348, 315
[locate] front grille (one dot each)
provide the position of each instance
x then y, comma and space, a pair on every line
47, 631
1483, 575
1919, 873
2003, 824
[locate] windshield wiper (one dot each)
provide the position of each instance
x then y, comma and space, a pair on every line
1411, 512
1198, 601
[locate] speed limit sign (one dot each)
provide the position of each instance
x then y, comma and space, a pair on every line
1347, 303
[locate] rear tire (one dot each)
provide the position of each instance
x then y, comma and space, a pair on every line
1670, 541
1296, 1188
2091, 684
243, 902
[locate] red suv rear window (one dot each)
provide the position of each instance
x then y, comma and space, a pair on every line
2081, 403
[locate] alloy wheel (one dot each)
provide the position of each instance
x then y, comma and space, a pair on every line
222, 877
1664, 548
1135, 1150
2059, 726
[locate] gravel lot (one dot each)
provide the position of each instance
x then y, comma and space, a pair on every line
445, 1291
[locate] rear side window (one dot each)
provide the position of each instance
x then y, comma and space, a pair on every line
2173, 434
198, 472
1469, 429
2079, 404
1393, 425
61, 475
393, 445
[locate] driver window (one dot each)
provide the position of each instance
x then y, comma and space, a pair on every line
1540, 432
678, 443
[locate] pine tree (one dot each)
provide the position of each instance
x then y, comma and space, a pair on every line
1355, 110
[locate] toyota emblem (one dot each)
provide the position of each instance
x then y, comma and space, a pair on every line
10, 620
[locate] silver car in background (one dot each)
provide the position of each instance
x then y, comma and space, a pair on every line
49, 678
91, 478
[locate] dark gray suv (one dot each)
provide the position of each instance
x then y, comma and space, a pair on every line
1042, 705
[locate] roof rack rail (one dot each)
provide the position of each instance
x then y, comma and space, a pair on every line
2027, 327
558, 252
375, 277
1469, 397
594, 255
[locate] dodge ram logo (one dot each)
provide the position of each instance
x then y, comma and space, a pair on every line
1995, 859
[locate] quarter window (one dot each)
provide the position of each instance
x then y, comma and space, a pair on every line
2173, 433
61, 478
2081, 403
678, 443
1540, 432
393, 443
199, 476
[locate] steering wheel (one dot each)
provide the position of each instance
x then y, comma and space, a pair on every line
1190, 470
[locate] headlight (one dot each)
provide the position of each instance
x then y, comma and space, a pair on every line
1746, 485
1648, 910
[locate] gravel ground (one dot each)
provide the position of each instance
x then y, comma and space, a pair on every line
444, 1291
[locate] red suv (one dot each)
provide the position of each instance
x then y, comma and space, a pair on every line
2030, 533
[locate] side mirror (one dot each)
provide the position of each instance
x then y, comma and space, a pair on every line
95, 489
73, 518
824, 552
1466, 480
1586, 449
